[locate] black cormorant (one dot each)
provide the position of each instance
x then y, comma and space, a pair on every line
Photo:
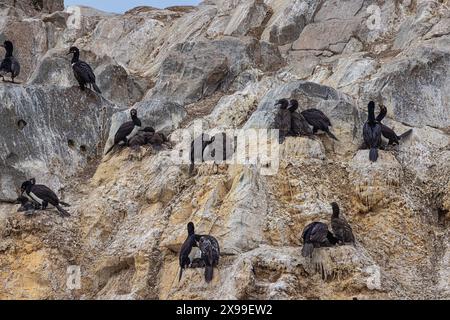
283, 120
9, 64
319, 121
210, 254
372, 133
82, 71
387, 132
186, 248
299, 125
340, 227
316, 235
43, 196
127, 130
198, 146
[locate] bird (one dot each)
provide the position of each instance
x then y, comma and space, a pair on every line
372, 133
198, 146
43, 196
389, 133
319, 121
127, 130
316, 235
26, 205
299, 125
82, 71
210, 250
10, 63
340, 227
142, 137
186, 248
283, 119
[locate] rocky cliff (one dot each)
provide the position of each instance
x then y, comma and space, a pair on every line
224, 63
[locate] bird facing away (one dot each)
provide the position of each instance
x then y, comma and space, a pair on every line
198, 146
82, 71
186, 248
43, 196
127, 130
340, 227
372, 133
319, 121
26, 205
387, 132
210, 254
283, 119
299, 125
316, 235
9, 64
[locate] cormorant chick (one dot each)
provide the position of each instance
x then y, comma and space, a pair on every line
283, 121
9, 64
43, 196
198, 146
341, 229
127, 130
372, 133
319, 121
82, 71
186, 248
210, 254
141, 138
387, 132
26, 205
299, 125
316, 235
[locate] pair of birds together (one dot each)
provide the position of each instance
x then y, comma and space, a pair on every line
81, 70
210, 252
373, 130
292, 123
316, 234
37, 196
131, 135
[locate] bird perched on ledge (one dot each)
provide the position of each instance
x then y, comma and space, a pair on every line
43, 196
9, 64
82, 71
127, 130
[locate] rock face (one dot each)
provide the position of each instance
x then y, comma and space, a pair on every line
222, 65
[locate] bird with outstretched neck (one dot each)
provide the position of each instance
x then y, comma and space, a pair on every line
186, 248
9, 64
389, 133
372, 133
82, 71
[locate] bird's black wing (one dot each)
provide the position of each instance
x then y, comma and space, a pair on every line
307, 230
299, 125
124, 130
44, 193
5, 66
388, 133
84, 71
319, 233
316, 118
342, 230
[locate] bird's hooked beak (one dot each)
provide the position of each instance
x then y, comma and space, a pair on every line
277, 103
70, 52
